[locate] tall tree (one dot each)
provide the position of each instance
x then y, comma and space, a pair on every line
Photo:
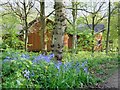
25, 23
42, 20
59, 28
21, 9
108, 31
74, 15
119, 28
93, 10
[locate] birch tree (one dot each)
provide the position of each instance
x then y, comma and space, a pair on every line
59, 28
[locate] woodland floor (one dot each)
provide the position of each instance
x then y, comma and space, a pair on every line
113, 81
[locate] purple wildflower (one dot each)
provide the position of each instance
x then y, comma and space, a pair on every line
84, 63
25, 56
86, 70
58, 65
7, 59
51, 55
26, 74
43, 57
37, 59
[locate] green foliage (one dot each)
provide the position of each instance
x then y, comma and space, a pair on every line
85, 38
113, 37
21, 72
85, 41
10, 32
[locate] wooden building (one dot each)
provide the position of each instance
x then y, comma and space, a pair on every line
34, 36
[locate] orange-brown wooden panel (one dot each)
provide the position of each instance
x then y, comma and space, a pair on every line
70, 41
37, 44
30, 42
66, 38
49, 41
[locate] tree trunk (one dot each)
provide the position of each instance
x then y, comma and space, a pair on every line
25, 24
59, 28
93, 27
74, 14
108, 31
42, 20
119, 29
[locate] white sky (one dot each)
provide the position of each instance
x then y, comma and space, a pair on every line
49, 5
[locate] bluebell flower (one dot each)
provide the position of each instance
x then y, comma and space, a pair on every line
7, 59
59, 63
86, 70
77, 64
43, 57
84, 63
25, 56
37, 59
68, 65
46, 58
15, 58
32, 74
51, 55
26, 74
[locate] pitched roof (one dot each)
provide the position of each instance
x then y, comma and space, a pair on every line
98, 28
38, 19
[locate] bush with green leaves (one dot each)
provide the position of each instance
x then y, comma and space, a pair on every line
11, 32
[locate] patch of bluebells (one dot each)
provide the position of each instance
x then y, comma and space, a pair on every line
26, 74
25, 56
58, 65
72, 65
7, 59
15, 57
84, 66
67, 66
47, 58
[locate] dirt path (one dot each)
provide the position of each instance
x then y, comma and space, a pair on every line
113, 81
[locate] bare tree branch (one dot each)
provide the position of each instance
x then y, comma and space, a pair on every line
100, 7
69, 21
86, 19
82, 10
2, 4
99, 20
16, 12
31, 5
5, 14
50, 13
37, 10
